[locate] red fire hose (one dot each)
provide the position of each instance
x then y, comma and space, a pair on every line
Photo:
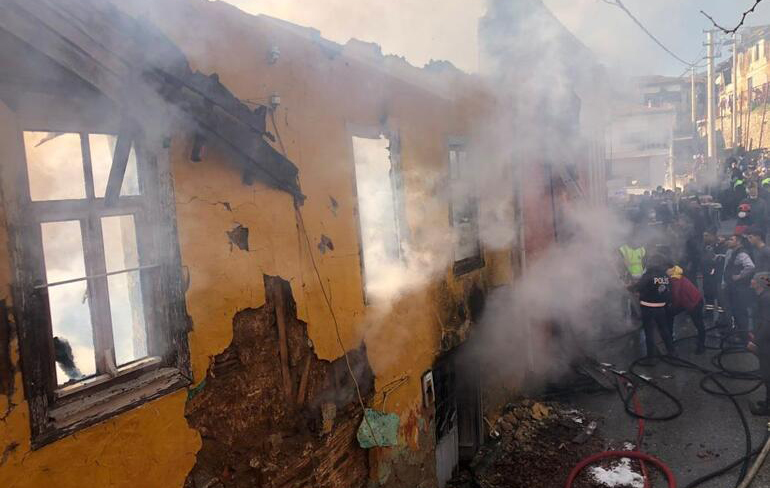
640, 456
621, 454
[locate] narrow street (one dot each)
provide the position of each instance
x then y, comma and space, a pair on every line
707, 436
384, 244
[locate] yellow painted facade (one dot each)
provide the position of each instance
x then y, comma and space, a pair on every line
323, 93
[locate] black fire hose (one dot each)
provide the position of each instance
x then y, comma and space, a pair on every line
636, 380
710, 376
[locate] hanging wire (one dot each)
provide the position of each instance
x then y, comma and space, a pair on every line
619, 4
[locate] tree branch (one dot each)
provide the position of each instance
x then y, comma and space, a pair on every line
740, 24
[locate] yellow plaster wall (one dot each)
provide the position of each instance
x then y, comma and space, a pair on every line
322, 93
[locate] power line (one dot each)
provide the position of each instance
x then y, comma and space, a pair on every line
619, 4
743, 19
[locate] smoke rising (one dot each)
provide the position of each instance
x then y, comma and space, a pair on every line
555, 104
567, 298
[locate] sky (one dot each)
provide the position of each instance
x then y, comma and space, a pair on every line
422, 30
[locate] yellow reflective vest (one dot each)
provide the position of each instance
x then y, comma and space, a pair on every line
633, 258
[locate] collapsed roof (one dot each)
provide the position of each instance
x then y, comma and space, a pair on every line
146, 76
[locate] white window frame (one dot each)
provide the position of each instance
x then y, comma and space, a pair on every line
56, 412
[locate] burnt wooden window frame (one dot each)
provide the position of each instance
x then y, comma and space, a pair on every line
397, 185
471, 263
58, 412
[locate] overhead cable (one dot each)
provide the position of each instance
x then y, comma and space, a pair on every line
740, 24
619, 4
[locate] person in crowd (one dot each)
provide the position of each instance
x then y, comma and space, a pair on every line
714, 249
736, 281
764, 190
689, 233
738, 194
744, 220
631, 265
663, 211
761, 255
654, 288
647, 207
757, 207
760, 341
632, 256
685, 297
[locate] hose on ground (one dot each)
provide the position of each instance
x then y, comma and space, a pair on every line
634, 380
621, 454
757, 464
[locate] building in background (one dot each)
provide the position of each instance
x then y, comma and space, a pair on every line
746, 103
654, 138
640, 149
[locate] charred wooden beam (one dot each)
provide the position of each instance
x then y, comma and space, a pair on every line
283, 345
57, 28
119, 162
6, 367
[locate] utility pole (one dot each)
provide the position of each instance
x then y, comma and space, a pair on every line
734, 109
693, 100
710, 137
670, 176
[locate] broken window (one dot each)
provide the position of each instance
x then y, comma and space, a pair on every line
102, 306
464, 211
378, 187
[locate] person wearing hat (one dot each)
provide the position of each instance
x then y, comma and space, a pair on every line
760, 342
744, 220
685, 296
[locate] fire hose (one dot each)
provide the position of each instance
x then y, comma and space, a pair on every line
710, 376
758, 463
621, 454
643, 458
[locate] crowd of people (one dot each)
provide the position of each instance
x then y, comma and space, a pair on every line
684, 256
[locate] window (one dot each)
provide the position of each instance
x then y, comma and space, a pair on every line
98, 281
464, 211
380, 210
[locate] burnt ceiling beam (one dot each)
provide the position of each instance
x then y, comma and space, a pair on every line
104, 46
119, 161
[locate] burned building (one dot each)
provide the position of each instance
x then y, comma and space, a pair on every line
235, 253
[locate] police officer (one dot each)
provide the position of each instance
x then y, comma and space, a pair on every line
654, 288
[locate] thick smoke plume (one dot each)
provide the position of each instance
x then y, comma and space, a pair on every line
568, 297
553, 107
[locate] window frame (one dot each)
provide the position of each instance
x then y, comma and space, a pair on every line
54, 413
471, 263
397, 187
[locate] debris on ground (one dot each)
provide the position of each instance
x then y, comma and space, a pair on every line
537, 448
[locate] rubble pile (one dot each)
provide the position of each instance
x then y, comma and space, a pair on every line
535, 445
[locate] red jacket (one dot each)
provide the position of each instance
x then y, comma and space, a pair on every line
684, 294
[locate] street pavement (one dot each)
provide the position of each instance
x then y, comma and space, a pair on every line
706, 437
